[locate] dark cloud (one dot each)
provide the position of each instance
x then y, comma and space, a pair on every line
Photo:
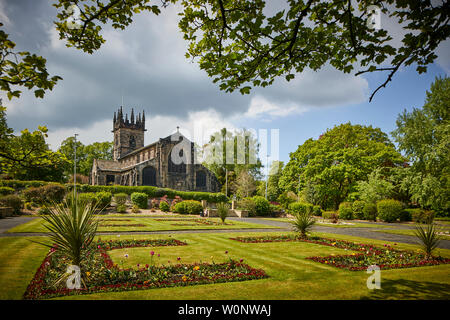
146, 64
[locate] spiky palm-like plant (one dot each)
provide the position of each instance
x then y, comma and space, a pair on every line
72, 227
303, 222
428, 237
222, 211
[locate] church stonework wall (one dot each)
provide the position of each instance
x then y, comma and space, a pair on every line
129, 168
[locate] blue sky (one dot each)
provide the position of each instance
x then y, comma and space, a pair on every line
406, 91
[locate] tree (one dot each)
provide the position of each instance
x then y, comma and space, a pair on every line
22, 69
239, 43
27, 156
334, 163
375, 188
245, 184
85, 154
241, 155
273, 190
424, 135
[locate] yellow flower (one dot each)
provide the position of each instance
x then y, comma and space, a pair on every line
196, 267
184, 278
88, 273
353, 254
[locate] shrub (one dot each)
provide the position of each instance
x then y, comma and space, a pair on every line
303, 222
120, 198
275, 209
12, 201
164, 206
53, 192
73, 227
345, 211
188, 207
389, 210
135, 209
140, 199
155, 203
50, 193
88, 197
222, 211
33, 194
28, 206
358, 207
317, 211
428, 237
103, 199
405, 215
176, 200
300, 207
370, 211
262, 206
331, 215
121, 208
248, 205
43, 210
286, 198
421, 216
4, 191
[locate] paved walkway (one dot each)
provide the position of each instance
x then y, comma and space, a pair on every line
278, 226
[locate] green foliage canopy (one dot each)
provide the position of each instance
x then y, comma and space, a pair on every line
334, 163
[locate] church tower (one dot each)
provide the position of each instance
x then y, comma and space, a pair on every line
128, 133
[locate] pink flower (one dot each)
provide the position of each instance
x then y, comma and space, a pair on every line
152, 252
226, 252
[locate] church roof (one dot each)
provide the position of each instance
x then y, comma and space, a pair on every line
108, 165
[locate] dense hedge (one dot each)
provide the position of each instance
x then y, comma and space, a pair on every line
50, 193
188, 207
358, 207
317, 211
152, 192
99, 199
155, 192
370, 211
389, 210
140, 199
345, 211
120, 198
300, 207
420, 215
12, 201
19, 184
164, 206
4, 191
262, 206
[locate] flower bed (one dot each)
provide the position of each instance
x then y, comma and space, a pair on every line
101, 274
386, 257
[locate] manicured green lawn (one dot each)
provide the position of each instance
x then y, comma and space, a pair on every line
291, 276
147, 224
410, 232
318, 222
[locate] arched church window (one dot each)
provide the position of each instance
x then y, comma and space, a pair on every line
200, 179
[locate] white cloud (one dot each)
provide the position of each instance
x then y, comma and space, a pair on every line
261, 107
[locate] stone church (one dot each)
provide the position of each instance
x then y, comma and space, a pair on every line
166, 163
